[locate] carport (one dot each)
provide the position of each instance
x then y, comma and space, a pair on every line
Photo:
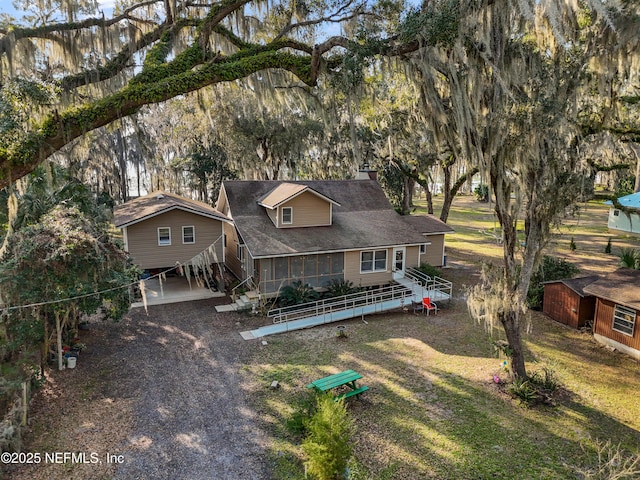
174, 290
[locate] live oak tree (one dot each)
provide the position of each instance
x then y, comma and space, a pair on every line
505, 91
513, 76
95, 70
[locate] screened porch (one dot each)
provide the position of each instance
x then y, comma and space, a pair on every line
317, 270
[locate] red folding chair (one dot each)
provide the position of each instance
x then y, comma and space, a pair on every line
429, 306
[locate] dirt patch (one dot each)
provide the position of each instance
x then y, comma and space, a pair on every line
161, 393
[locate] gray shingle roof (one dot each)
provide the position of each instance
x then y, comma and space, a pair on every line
159, 202
621, 286
576, 284
364, 218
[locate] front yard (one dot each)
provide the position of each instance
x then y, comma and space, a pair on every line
432, 410
179, 394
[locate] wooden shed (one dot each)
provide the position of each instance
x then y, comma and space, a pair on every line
617, 310
566, 302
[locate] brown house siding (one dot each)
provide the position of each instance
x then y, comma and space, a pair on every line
352, 270
142, 239
231, 252
604, 321
308, 210
565, 306
412, 257
433, 256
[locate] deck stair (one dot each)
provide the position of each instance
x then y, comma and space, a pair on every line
246, 301
422, 285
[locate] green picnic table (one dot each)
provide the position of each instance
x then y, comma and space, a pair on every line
348, 378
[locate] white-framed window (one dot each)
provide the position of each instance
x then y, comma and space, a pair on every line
189, 234
164, 236
239, 252
616, 213
624, 320
423, 248
287, 215
373, 261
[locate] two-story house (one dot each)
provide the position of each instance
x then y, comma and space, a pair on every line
317, 231
161, 230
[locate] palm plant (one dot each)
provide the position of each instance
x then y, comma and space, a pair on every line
630, 258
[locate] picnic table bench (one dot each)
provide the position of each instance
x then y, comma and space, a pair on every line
348, 378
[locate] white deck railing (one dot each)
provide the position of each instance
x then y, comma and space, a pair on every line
435, 284
335, 304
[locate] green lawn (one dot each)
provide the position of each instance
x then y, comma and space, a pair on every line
432, 410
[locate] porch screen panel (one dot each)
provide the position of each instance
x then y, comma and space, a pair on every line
324, 264
315, 270
267, 283
297, 268
281, 268
311, 270
337, 263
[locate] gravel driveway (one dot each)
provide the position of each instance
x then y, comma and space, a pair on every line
164, 391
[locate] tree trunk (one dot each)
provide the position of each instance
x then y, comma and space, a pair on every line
636, 149
511, 325
446, 190
451, 192
59, 341
429, 198
406, 196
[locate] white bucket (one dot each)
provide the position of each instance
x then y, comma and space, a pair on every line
71, 362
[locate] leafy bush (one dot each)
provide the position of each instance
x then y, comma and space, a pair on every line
630, 258
297, 293
481, 193
304, 409
328, 441
524, 390
551, 268
338, 288
545, 380
430, 270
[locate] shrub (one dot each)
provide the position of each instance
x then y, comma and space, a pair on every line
545, 380
338, 288
613, 462
481, 193
551, 268
630, 258
524, 390
297, 293
572, 245
304, 409
430, 270
327, 445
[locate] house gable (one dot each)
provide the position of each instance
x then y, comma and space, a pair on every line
157, 203
172, 237
291, 205
162, 229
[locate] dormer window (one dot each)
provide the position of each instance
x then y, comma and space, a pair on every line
287, 215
